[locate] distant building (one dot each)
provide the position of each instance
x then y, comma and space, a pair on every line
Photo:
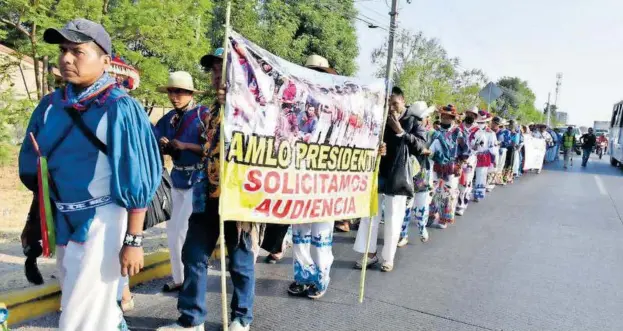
20, 76
561, 117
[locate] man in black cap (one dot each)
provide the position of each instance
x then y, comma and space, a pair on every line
88, 131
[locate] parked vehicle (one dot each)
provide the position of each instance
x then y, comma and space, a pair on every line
615, 144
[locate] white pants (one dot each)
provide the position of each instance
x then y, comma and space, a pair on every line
516, 164
89, 274
177, 227
465, 191
481, 182
313, 253
394, 210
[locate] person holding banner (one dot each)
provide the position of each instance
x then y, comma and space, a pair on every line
405, 137
449, 150
418, 206
485, 149
179, 133
312, 244
104, 169
467, 128
242, 239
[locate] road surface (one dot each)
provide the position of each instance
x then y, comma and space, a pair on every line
543, 254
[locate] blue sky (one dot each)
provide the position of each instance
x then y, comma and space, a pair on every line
531, 39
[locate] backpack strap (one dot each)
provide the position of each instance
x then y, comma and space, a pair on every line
79, 122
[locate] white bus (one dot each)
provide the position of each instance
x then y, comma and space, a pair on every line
616, 135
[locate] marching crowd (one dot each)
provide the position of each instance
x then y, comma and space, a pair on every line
107, 167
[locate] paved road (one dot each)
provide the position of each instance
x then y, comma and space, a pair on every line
543, 254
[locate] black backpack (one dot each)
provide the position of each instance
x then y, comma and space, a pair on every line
160, 208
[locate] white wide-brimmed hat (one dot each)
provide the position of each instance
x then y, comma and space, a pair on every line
473, 111
320, 63
181, 80
421, 110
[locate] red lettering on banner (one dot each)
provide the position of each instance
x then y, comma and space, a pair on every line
286, 184
307, 205
324, 178
327, 207
364, 184
253, 183
264, 208
304, 184
271, 182
315, 209
289, 183
307, 209
333, 185
338, 203
284, 211
351, 206
297, 209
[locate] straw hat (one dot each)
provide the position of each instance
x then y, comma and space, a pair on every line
449, 110
483, 116
181, 80
473, 111
421, 110
319, 63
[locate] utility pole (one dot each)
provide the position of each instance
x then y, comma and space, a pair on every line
389, 73
548, 109
558, 84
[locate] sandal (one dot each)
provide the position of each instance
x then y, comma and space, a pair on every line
371, 261
342, 226
386, 267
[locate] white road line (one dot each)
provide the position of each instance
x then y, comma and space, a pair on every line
600, 185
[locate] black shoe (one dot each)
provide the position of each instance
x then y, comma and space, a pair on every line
271, 259
298, 290
32, 271
314, 293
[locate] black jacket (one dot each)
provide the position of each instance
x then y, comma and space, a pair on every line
589, 140
414, 137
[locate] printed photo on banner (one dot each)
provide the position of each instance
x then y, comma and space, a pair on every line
300, 145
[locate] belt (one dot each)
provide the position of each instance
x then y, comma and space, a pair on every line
83, 205
198, 166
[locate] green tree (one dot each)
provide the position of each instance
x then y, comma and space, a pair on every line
295, 29
517, 101
423, 69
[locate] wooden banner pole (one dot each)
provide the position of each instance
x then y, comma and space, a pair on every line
221, 220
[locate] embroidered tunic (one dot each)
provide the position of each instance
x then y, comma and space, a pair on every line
85, 177
186, 127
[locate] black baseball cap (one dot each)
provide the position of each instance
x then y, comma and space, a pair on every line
80, 31
208, 60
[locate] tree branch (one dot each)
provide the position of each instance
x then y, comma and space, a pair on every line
17, 26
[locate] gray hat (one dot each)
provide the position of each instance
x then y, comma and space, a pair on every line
80, 31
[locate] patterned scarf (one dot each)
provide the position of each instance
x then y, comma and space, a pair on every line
80, 101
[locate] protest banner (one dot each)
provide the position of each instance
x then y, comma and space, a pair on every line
300, 145
535, 149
